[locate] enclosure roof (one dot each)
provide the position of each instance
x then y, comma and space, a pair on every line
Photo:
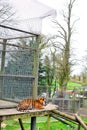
31, 15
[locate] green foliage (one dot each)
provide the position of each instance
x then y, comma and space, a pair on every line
46, 77
41, 74
46, 73
41, 124
70, 85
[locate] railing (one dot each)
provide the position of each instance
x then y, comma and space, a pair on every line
70, 105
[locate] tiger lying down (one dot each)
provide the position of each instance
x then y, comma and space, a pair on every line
28, 104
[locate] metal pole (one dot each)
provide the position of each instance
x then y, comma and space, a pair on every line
33, 123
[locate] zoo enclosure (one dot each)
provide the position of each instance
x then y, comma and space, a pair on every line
19, 76
19, 66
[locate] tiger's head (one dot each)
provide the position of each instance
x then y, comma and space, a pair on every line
42, 101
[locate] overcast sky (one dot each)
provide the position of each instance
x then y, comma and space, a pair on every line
79, 11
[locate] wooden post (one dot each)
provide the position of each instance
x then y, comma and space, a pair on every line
33, 123
0, 125
78, 127
3, 55
0, 122
48, 123
2, 65
36, 66
21, 124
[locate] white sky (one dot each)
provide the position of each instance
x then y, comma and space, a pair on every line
80, 11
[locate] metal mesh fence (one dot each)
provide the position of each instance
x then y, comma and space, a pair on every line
16, 80
20, 62
15, 88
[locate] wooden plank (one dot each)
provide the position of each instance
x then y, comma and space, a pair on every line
17, 37
74, 118
62, 120
14, 45
17, 76
4, 104
81, 122
13, 113
62, 114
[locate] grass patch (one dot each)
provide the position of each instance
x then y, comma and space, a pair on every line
41, 124
72, 85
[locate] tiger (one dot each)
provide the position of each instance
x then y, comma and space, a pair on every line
27, 104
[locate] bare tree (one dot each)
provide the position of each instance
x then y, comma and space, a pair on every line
63, 43
6, 12
6, 17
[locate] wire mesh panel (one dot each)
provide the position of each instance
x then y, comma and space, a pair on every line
16, 88
20, 62
16, 78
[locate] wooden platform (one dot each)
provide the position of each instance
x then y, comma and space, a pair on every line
7, 104
11, 112
49, 110
8, 111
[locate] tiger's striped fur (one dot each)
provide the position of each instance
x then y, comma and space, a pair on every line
27, 104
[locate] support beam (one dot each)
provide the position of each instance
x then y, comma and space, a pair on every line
36, 67
2, 65
78, 127
16, 29
14, 45
48, 123
0, 122
3, 55
33, 123
62, 120
74, 118
21, 124
81, 122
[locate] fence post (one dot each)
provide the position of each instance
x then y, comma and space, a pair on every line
2, 64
